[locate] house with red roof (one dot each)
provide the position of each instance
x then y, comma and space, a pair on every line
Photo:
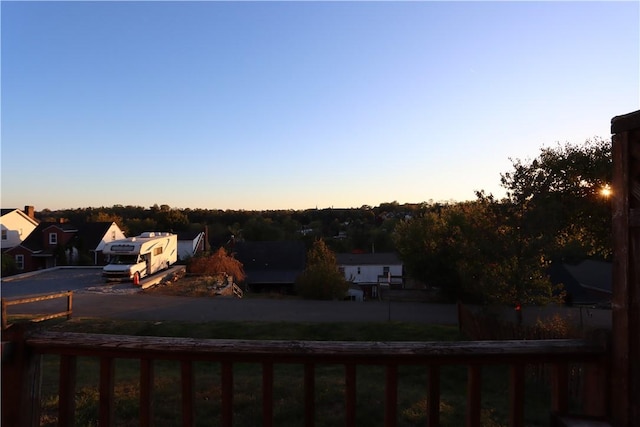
53, 244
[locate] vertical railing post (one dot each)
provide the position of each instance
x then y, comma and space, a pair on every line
595, 387
433, 407
267, 394
69, 304
227, 393
146, 392
188, 392
67, 390
309, 395
516, 395
107, 403
4, 314
474, 389
350, 394
559, 388
625, 302
391, 400
20, 379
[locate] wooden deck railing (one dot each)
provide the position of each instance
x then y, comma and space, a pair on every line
560, 354
37, 298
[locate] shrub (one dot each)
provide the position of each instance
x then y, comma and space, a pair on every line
216, 264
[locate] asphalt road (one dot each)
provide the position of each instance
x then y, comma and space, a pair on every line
95, 298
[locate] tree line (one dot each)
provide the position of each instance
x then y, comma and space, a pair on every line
486, 250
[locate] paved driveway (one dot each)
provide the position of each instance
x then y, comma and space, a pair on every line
50, 281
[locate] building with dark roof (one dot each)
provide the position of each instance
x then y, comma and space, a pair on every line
271, 266
588, 282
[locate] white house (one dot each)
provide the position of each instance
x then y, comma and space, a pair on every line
95, 235
16, 225
372, 271
190, 243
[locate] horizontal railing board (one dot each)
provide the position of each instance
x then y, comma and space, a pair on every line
300, 351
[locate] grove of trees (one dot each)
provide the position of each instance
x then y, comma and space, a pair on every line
499, 251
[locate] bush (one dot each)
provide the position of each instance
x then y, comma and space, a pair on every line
8, 265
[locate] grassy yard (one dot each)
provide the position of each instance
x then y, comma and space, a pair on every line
288, 386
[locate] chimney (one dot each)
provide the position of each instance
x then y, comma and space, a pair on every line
30, 211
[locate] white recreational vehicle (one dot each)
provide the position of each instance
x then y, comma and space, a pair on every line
136, 257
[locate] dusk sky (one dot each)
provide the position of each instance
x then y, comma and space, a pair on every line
297, 105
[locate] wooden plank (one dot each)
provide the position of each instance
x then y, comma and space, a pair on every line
226, 377
5, 323
15, 384
433, 405
67, 391
45, 297
494, 352
559, 388
595, 397
107, 374
68, 313
146, 392
474, 389
625, 122
350, 388
69, 305
619, 389
634, 217
516, 395
187, 379
634, 277
309, 395
267, 394
32, 401
391, 396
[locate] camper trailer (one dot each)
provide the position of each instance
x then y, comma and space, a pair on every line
136, 257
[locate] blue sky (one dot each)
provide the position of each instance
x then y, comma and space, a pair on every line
296, 105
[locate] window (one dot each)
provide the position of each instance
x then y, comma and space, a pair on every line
385, 270
4, 234
53, 239
20, 261
157, 251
